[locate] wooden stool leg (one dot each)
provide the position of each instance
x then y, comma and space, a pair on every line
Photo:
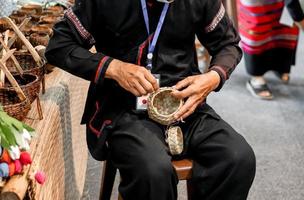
189, 190
107, 181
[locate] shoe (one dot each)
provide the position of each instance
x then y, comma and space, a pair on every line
284, 77
258, 90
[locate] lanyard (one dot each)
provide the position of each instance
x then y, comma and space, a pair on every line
157, 32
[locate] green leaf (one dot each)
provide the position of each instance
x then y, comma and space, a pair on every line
4, 143
28, 128
9, 134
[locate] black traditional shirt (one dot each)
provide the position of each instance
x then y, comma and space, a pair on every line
117, 30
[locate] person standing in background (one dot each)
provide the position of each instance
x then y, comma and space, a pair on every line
267, 44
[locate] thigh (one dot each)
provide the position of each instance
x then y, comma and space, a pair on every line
224, 163
137, 140
209, 138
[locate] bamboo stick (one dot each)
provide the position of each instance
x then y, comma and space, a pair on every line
7, 55
17, 65
13, 39
10, 77
26, 42
2, 75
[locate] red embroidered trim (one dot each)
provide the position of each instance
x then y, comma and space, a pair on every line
100, 66
216, 20
221, 70
79, 27
141, 49
95, 131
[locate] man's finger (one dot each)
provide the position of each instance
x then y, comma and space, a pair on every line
135, 92
146, 84
182, 84
131, 88
190, 111
151, 79
184, 109
183, 94
140, 89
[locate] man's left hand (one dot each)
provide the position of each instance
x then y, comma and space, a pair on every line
195, 89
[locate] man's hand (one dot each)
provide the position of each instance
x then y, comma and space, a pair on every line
195, 89
133, 78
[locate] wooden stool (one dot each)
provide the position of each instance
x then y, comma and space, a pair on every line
183, 169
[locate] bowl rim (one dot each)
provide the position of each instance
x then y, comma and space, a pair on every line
161, 90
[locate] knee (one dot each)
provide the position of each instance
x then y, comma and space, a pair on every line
156, 171
242, 158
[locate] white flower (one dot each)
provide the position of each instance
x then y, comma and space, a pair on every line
25, 146
26, 135
14, 152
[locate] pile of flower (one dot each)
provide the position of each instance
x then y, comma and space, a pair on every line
15, 138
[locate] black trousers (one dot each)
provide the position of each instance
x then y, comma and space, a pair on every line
224, 163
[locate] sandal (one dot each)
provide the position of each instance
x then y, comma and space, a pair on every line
284, 77
259, 91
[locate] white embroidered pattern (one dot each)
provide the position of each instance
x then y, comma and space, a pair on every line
79, 27
216, 20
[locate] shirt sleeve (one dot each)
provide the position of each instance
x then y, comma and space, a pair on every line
295, 9
69, 46
217, 34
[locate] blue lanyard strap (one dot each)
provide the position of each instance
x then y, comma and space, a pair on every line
157, 32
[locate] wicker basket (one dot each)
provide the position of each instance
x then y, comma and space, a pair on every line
4, 25
35, 7
42, 29
28, 64
56, 10
175, 140
39, 39
12, 105
27, 30
49, 20
17, 17
30, 85
26, 12
162, 106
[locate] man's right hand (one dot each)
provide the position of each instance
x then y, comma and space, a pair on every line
133, 78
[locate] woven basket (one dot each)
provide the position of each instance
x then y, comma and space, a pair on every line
30, 85
162, 106
27, 30
18, 44
4, 25
12, 105
26, 12
39, 39
42, 29
27, 63
34, 7
175, 140
17, 17
56, 10
49, 20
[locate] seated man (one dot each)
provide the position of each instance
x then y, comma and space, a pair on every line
136, 39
